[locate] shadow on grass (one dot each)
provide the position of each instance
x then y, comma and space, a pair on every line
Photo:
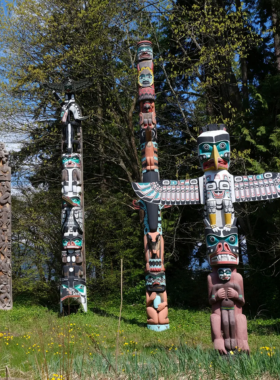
104, 313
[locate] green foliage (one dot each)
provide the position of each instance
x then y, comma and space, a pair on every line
136, 294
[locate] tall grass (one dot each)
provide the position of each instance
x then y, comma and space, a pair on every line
38, 344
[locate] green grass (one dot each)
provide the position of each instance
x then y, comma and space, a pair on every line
38, 344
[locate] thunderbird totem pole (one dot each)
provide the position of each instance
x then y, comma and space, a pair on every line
156, 297
73, 282
217, 189
6, 302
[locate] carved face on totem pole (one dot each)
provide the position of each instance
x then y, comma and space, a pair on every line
214, 150
70, 161
145, 77
224, 274
155, 282
74, 288
72, 242
144, 50
154, 240
222, 246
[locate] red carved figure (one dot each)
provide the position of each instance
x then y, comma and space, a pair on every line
157, 310
228, 324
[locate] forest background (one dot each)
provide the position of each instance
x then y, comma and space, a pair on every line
215, 61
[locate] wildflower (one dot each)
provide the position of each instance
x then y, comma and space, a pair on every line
231, 352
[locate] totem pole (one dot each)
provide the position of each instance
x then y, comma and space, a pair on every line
156, 297
6, 301
217, 189
73, 282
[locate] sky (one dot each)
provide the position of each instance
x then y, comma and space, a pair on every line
3, 4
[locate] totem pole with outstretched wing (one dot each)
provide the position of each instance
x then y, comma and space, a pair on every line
218, 190
73, 282
156, 296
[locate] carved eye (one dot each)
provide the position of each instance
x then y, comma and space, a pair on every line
232, 239
211, 186
224, 185
206, 147
222, 145
212, 239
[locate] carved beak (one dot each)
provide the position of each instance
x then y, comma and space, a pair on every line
215, 155
148, 134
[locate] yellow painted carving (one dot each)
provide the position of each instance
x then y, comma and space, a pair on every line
146, 71
228, 219
212, 218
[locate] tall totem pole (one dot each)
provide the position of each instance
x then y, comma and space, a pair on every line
73, 282
6, 301
156, 297
217, 190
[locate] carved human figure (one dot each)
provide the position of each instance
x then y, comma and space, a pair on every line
228, 324
157, 310
5, 218
5, 193
5, 292
147, 116
149, 156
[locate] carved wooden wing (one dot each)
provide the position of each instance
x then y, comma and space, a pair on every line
54, 86
257, 187
169, 192
81, 84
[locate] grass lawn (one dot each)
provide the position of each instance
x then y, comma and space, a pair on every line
37, 343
